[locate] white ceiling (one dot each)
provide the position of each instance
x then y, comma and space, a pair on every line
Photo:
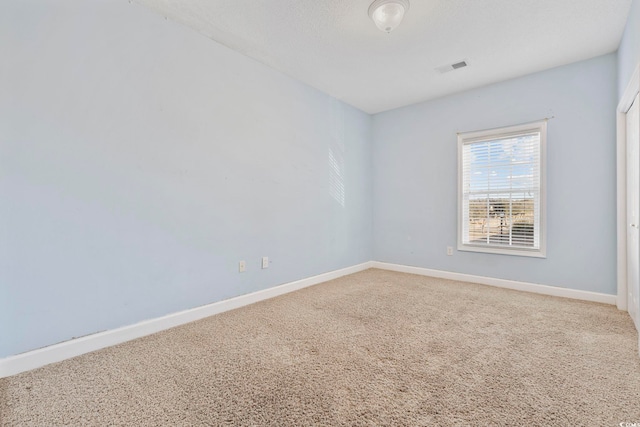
333, 45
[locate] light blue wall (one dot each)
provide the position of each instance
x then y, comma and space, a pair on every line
415, 176
140, 161
629, 51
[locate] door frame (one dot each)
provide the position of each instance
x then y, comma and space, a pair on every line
621, 178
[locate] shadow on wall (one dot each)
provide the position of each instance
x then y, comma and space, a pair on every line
336, 174
336, 157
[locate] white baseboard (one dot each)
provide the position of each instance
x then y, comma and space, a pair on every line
13, 365
502, 283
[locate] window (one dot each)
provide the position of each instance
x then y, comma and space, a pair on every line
501, 190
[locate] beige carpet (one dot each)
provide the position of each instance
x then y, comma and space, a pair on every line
373, 348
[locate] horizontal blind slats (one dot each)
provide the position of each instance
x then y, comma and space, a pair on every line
501, 191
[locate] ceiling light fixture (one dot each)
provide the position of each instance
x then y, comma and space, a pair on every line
387, 14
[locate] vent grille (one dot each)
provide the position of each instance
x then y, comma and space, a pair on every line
451, 67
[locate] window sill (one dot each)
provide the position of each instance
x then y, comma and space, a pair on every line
532, 253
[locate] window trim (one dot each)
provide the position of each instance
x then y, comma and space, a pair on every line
502, 132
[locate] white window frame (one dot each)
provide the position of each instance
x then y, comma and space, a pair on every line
500, 133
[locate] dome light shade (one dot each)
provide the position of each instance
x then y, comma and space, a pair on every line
387, 14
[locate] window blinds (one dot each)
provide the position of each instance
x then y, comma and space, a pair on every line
501, 190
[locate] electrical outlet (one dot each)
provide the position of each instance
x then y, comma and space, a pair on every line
242, 266
449, 250
265, 262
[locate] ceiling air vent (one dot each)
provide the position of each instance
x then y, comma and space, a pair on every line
447, 68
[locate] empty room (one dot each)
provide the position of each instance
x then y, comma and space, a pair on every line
319, 212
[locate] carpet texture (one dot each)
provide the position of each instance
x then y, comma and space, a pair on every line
373, 348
